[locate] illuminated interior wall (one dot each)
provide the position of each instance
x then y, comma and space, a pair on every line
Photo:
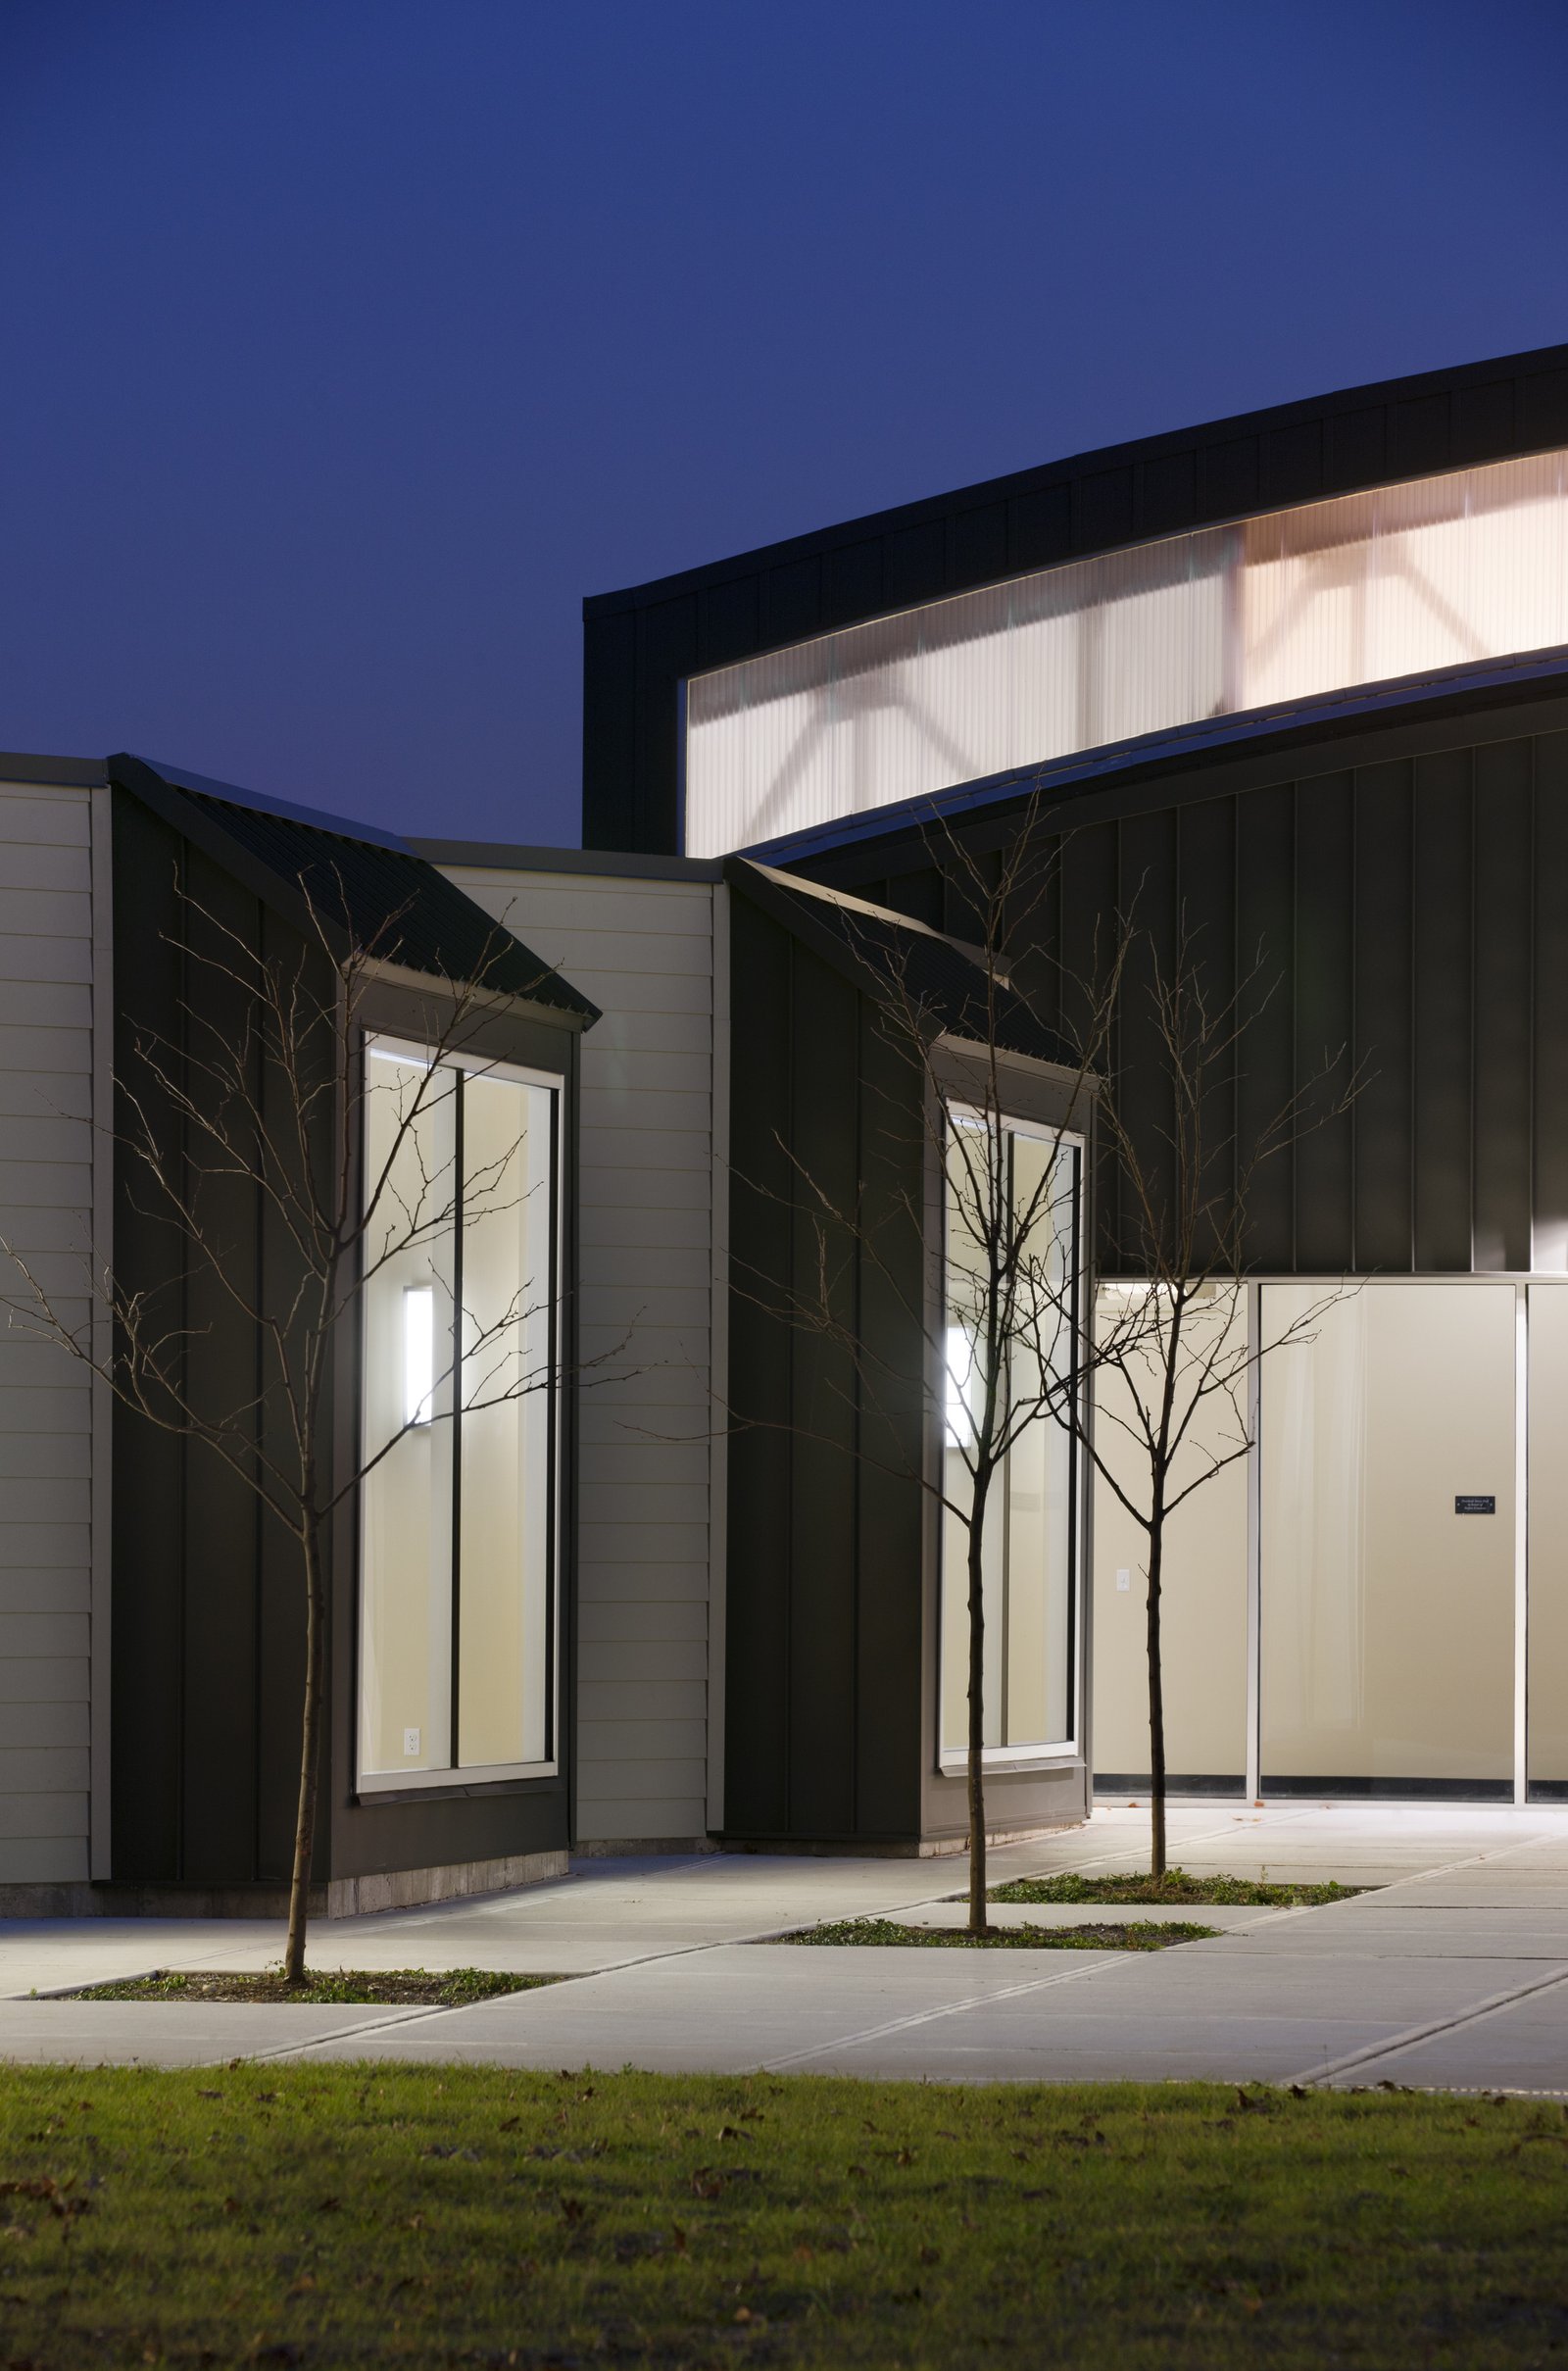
405, 1504
1547, 1729
1387, 1614
1204, 1596
1469, 566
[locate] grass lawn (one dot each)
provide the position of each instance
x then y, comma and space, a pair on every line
1178, 1890
1101, 1935
386, 2215
400, 1986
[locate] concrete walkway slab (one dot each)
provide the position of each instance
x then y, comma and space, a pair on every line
1455, 1971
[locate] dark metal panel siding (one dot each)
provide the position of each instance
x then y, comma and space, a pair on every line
1503, 803
825, 1081
890, 1516
611, 744
1265, 966
760, 1383
207, 1654
825, 1623
1550, 1003
667, 653
1380, 1053
1090, 890
1207, 921
223, 1369
146, 1656
1149, 896
1325, 1010
1407, 915
207, 1623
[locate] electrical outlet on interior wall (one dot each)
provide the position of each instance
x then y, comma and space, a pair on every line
410, 1741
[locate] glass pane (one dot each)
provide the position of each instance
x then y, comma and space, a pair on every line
1204, 1596
506, 1527
1546, 1731
1388, 1613
1027, 1537
406, 1504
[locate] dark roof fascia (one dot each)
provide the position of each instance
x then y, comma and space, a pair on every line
232, 794
789, 899
966, 1050
559, 1016
498, 856
1328, 717
791, 886
1104, 457
779, 895
185, 813
53, 773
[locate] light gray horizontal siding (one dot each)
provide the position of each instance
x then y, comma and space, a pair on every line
642, 1740
35, 1815
46, 1448
636, 1820
653, 1778
644, 952
613, 1620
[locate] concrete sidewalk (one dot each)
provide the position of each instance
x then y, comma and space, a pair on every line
1455, 1974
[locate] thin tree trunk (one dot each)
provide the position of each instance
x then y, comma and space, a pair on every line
310, 1760
978, 1719
1157, 1706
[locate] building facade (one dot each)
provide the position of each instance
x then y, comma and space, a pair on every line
1295, 686
1290, 692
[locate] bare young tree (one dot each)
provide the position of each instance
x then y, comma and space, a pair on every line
995, 1325
1174, 1358
266, 1092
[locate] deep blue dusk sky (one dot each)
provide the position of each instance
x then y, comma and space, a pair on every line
348, 343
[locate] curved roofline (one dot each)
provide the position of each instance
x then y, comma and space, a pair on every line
1343, 403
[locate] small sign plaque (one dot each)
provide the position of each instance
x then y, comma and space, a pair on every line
1474, 1506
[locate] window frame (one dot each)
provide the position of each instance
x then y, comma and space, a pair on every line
998, 1761
464, 1777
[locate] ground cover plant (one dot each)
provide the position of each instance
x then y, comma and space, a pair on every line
400, 1986
1178, 1887
350, 2216
1143, 1935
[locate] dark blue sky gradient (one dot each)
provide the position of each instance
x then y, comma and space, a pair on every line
348, 343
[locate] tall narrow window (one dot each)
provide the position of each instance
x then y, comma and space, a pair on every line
1031, 1180
459, 1410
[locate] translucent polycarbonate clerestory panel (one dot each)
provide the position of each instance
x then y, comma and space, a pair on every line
1004, 1178
1469, 566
